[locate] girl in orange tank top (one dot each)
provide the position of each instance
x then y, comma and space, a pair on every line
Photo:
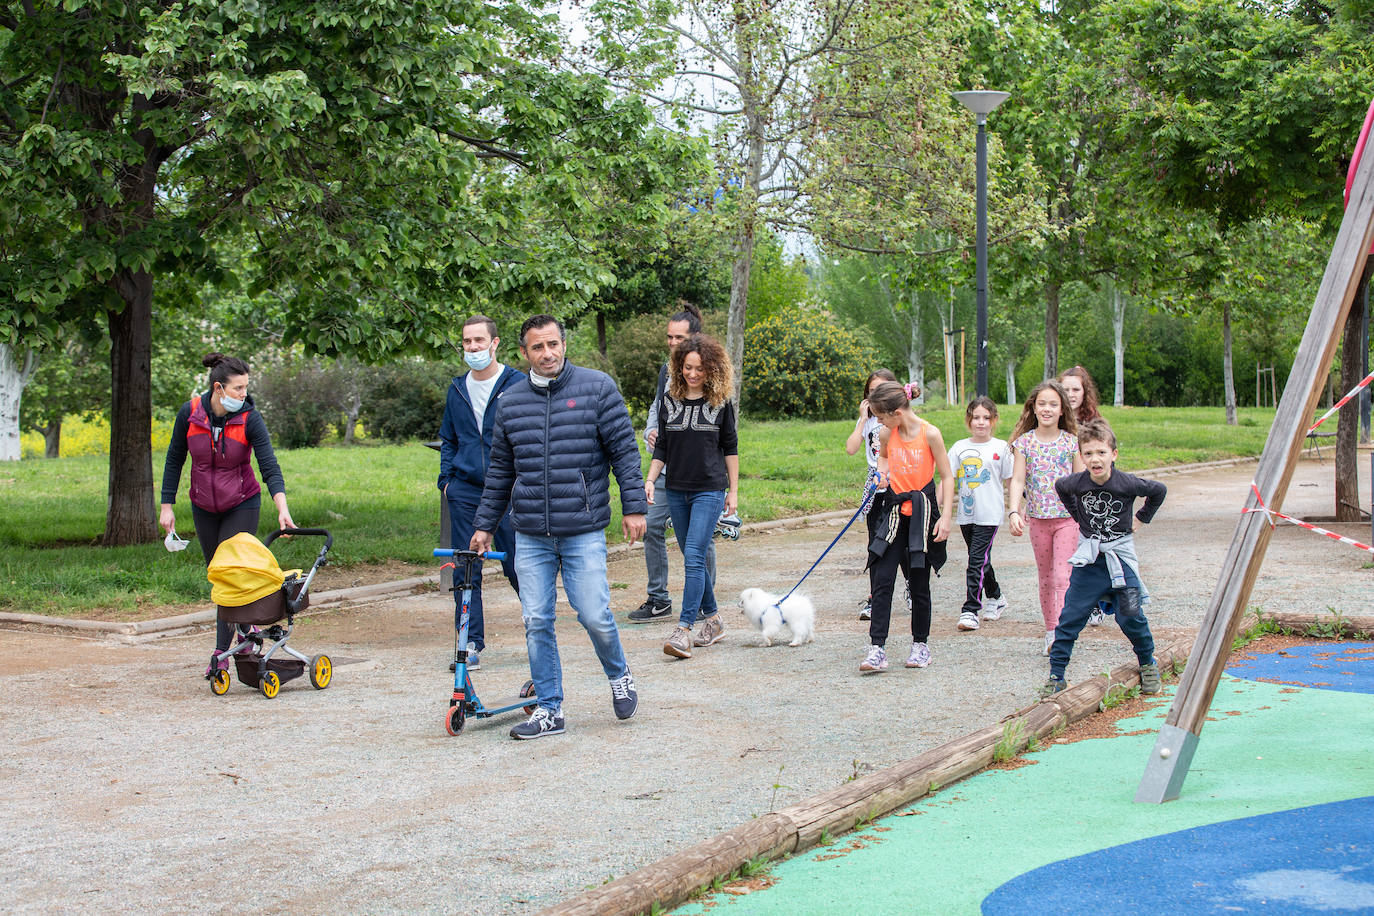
910, 453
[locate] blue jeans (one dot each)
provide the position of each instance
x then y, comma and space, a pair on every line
656, 547
462, 509
694, 522
1086, 585
582, 558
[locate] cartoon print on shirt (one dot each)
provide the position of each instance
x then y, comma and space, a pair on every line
970, 475
1103, 510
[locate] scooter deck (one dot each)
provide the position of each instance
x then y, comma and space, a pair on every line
505, 705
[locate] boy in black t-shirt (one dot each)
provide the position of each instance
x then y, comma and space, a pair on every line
1100, 499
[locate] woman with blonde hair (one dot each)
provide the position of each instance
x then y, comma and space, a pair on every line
697, 437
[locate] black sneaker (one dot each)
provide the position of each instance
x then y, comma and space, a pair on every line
542, 722
650, 611
624, 697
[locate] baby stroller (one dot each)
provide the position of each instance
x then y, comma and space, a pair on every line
251, 591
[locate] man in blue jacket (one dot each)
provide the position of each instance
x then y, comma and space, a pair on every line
559, 435
464, 451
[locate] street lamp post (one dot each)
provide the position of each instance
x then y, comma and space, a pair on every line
981, 103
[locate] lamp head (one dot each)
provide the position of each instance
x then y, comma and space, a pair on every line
981, 101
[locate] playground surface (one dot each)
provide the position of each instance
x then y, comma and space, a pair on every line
130, 786
1276, 816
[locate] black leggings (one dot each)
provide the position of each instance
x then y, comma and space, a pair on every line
214, 528
882, 576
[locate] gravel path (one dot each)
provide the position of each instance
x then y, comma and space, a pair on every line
130, 786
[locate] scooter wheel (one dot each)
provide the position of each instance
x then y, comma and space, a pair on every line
219, 683
270, 684
455, 717
528, 691
321, 671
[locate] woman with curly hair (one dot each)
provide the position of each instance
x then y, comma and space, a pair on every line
1083, 399
697, 437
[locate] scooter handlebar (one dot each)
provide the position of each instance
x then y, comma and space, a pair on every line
452, 552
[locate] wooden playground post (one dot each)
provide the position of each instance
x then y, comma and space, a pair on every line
1178, 738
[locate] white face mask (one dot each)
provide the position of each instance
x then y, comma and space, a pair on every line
174, 543
538, 380
230, 404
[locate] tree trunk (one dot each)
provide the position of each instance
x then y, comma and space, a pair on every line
1119, 345
1052, 329
601, 333
1011, 382
14, 375
1348, 419
1228, 378
916, 349
130, 517
355, 407
52, 439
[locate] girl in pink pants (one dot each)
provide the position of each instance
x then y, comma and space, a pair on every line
1045, 445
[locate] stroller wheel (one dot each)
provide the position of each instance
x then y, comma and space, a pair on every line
454, 718
321, 671
269, 684
528, 691
219, 683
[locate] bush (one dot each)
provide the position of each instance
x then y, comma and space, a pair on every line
299, 399
802, 365
406, 400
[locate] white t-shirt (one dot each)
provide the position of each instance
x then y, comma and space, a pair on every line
480, 393
980, 469
872, 429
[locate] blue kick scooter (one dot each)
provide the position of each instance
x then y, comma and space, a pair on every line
465, 701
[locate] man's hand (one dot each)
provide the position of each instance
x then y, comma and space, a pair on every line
481, 541
651, 437
632, 525
649, 491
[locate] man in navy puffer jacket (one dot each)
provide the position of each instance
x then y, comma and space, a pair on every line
559, 435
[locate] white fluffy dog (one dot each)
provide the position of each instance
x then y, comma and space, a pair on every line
796, 613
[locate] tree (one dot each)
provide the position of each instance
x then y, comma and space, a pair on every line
388, 161
16, 368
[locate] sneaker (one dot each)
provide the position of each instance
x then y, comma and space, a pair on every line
650, 610
968, 621
542, 722
1149, 679
474, 659
1095, 617
712, 632
993, 608
1053, 686
679, 645
866, 612
920, 655
1049, 641
624, 697
875, 659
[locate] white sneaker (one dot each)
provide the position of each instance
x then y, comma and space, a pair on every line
993, 608
968, 621
1049, 641
875, 659
919, 657
1095, 617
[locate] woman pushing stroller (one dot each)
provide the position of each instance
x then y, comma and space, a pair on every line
220, 430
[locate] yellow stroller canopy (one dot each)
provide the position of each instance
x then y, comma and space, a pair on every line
242, 571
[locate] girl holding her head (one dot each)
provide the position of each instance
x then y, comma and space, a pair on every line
1045, 446
912, 520
697, 437
866, 436
221, 431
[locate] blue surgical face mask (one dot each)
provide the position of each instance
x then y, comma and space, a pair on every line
478, 360
230, 404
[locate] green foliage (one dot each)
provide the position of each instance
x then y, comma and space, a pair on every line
406, 401
1010, 744
803, 365
300, 398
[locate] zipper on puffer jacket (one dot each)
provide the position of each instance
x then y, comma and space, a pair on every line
548, 414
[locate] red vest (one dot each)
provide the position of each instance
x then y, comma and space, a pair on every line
221, 472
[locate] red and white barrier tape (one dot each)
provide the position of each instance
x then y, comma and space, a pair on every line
1343, 401
1273, 514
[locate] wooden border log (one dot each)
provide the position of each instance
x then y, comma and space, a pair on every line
1082, 699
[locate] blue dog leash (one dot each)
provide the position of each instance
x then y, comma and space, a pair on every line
870, 490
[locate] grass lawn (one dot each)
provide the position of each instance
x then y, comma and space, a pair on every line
381, 504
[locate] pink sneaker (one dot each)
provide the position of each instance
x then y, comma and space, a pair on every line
875, 659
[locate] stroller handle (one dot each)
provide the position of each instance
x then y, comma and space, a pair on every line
328, 538
452, 552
